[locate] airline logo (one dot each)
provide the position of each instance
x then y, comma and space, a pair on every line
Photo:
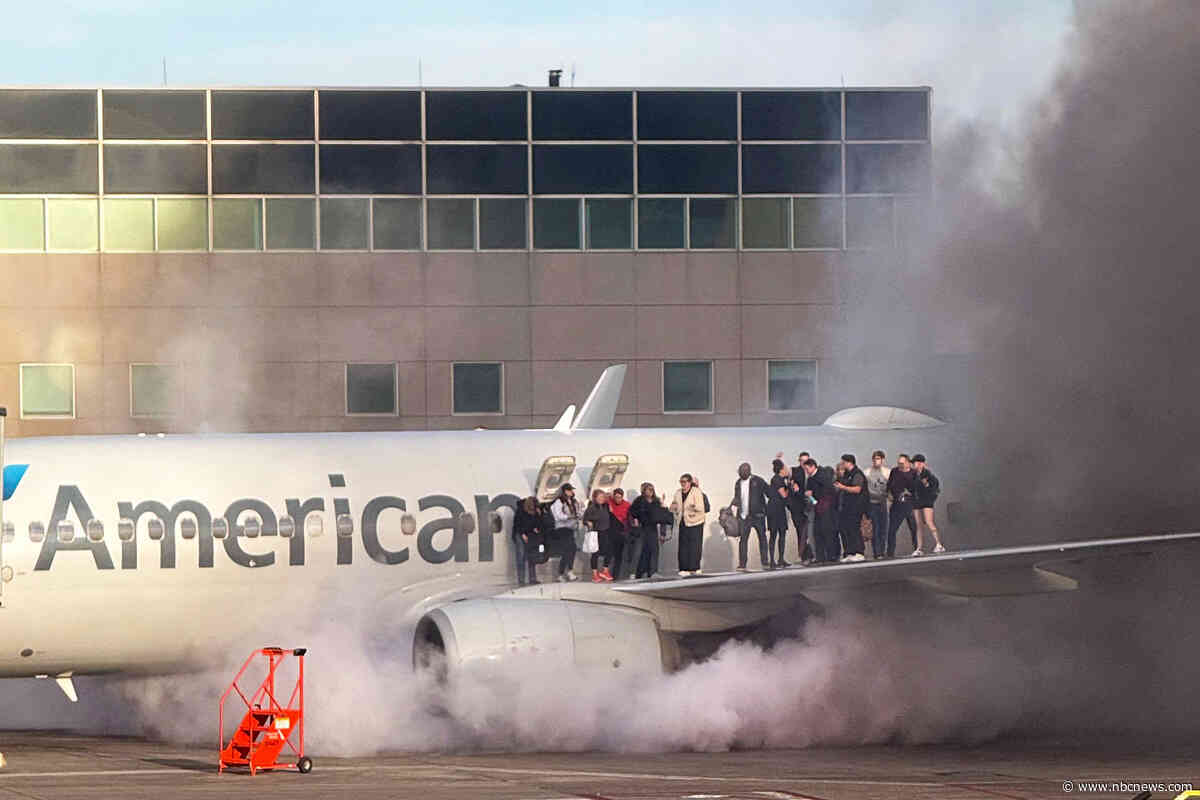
12, 476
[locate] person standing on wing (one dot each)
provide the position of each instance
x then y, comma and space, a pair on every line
689, 505
565, 510
750, 506
924, 496
852, 489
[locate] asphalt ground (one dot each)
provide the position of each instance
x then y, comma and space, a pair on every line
48, 764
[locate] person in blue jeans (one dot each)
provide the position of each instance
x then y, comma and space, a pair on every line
877, 482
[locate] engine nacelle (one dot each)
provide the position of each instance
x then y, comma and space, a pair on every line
557, 632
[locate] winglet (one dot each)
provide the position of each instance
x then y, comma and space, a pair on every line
601, 405
564, 422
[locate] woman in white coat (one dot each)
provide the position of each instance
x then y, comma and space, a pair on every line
689, 505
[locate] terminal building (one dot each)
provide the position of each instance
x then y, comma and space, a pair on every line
402, 258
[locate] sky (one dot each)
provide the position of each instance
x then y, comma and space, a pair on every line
984, 60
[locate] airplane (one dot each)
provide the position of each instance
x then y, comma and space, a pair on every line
148, 554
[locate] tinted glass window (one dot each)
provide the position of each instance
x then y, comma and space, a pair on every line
154, 390
21, 224
687, 386
660, 223
609, 223
262, 115
688, 168
575, 114
370, 115
478, 388
344, 223
887, 115
502, 224
370, 388
237, 224
47, 390
784, 168
397, 223
263, 169
73, 224
370, 169
869, 222
467, 116
182, 224
556, 223
477, 169
818, 222
791, 115
887, 168
49, 168
583, 169
713, 222
47, 114
291, 224
687, 115
765, 222
155, 169
129, 225
791, 385
451, 224
154, 115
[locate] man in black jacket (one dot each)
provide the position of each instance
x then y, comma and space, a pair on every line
798, 507
853, 490
749, 505
819, 487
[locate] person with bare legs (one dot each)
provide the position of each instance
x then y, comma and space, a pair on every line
924, 497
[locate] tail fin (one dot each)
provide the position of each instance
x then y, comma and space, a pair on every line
601, 405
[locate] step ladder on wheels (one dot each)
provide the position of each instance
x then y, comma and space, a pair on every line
269, 725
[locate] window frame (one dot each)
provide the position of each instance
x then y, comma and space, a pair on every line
395, 412
712, 398
816, 385
21, 390
503, 389
132, 414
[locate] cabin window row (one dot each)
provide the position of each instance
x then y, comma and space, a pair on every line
464, 115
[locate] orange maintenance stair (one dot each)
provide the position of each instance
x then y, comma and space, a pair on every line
271, 733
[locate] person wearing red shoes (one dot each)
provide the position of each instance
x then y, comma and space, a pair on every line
598, 518
618, 535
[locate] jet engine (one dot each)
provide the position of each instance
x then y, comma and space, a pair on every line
557, 632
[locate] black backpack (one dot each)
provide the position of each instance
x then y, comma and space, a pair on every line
707, 507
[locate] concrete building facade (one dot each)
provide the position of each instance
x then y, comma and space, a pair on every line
349, 259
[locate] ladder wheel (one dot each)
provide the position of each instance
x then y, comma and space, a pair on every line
304, 765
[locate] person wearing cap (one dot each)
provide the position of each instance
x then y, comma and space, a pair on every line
565, 509
924, 496
852, 490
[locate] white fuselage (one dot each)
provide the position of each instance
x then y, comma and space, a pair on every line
88, 607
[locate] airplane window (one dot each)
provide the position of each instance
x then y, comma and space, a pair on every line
345, 525
220, 528
155, 528
125, 530
10, 531
95, 530
408, 524
497, 522
251, 527
37, 531
314, 525
466, 522
187, 528
287, 527
66, 531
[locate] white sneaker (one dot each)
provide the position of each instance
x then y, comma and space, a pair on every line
939, 549
561, 578
916, 553
856, 557
683, 573
697, 572
571, 576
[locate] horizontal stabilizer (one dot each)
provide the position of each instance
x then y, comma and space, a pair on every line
601, 405
564, 422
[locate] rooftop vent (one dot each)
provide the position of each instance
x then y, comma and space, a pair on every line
555, 77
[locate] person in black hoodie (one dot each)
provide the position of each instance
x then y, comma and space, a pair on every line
902, 483
924, 496
852, 489
749, 505
528, 539
822, 497
651, 525
777, 515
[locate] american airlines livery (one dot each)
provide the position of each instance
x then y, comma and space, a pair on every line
142, 554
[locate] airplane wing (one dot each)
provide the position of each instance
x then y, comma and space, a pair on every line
973, 573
